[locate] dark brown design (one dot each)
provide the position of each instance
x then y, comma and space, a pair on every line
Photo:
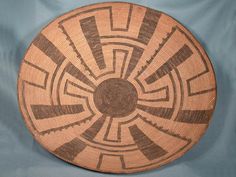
194, 116
90, 31
148, 147
49, 49
115, 97
157, 111
48, 111
72, 70
91, 132
149, 24
119, 83
43, 86
69, 150
179, 57
136, 55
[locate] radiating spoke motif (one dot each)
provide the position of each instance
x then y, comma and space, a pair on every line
49, 49
147, 146
90, 31
136, 55
178, 58
116, 87
194, 116
48, 111
113, 132
148, 26
71, 69
90, 133
165, 113
161, 98
40, 84
70, 149
77, 86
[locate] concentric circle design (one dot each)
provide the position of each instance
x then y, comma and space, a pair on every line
116, 87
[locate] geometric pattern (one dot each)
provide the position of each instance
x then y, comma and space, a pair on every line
116, 87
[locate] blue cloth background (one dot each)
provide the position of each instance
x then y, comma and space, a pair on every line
213, 22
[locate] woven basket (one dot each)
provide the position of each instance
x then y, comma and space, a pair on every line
116, 87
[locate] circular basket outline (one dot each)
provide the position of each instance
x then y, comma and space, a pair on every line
38, 137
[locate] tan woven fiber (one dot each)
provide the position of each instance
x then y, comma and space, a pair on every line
116, 87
